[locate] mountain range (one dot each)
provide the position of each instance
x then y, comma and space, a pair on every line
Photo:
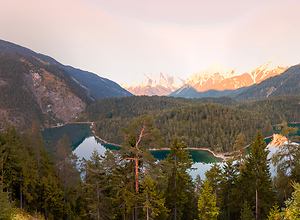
214, 81
161, 84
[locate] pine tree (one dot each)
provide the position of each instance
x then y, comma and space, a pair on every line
98, 188
240, 146
228, 191
11, 151
256, 178
180, 187
246, 213
207, 205
275, 213
215, 177
66, 163
153, 201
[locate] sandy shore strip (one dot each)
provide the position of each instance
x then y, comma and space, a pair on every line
218, 155
104, 141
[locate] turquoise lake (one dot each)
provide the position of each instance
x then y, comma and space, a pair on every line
83, 143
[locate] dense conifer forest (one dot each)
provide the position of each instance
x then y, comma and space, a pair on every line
212, 123
131, 184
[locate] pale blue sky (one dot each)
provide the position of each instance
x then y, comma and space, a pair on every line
117, 39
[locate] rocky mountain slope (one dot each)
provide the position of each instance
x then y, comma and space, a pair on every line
95, 86
154, 84
32, 90
36, 88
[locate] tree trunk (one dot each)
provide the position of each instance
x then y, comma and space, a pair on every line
21, 198
64, 193
290, 156
98, 202
256, 202
136, 184
147, 205
228, 213
175, 211
240, 160
2, 177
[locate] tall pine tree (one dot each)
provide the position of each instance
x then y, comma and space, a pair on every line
255, 179
180, 188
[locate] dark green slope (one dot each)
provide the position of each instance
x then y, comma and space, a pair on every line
136, 106
97, 87
209, 125
277, 108
286, 83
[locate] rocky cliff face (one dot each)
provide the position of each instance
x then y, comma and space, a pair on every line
34, 91
278, 140
53, 95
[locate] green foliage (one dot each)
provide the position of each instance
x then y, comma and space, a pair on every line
29, 174
153, 200
292, 210
255, 178
180, 188
275, 213
275, 109
212, 126
246, 213
207, 205
227, 198
240, 150
7, 211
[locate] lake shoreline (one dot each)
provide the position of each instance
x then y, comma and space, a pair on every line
104, 141
217, 155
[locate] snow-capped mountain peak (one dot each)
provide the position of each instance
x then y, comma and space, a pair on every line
153, 84
268, 69
213, 74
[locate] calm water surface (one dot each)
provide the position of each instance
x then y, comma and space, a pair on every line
203, 159
84, 143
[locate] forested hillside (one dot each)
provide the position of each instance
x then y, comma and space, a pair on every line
212, 126
140, 105
277, 109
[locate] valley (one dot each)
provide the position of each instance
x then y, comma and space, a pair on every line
50, 115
